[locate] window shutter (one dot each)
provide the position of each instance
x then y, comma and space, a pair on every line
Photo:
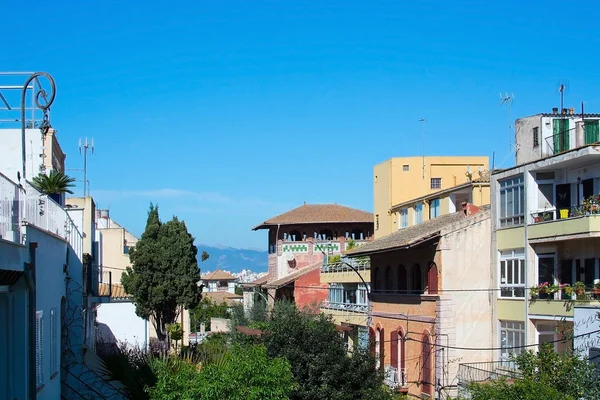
53, 342
394, 349
39, 335
381, 347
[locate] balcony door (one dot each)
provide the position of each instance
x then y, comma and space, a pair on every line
546, 271
563, 197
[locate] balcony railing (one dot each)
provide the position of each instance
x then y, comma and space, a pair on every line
24, 204
486, 371
342, 266
354, 307
395, 377
553, 214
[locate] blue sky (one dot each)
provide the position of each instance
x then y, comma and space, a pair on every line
228, 113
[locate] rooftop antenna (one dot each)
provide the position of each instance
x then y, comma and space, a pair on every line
561, 90
423, 121
85, 146
508, 99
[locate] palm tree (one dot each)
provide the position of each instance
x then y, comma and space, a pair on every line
54, 184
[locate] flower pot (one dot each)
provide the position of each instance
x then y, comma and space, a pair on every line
578, 292
596, 290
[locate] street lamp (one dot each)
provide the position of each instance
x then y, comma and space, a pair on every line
45, 106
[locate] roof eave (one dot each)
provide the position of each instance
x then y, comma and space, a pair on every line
410, 245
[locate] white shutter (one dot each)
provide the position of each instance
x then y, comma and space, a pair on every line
39, 335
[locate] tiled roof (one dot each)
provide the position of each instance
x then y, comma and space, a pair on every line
223, 297
257, 282
293, 276
412, 235
218, 275
318, 213
115, 291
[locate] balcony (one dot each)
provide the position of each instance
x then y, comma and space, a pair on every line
349, 313
104, 290
25, 205
342, 272
568, 223
481, 372
395, 378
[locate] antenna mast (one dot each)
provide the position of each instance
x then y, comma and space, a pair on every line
422, 121
561, 90
85, 146
508, 99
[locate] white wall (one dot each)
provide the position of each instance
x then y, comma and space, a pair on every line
11, 152
464, 315
586, 320
124, 324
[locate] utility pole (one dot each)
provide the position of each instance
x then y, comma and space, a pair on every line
85, 146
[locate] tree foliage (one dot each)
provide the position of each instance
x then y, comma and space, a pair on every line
164, 274
545, 375
319, 358
247, 374
204, 311
54, 183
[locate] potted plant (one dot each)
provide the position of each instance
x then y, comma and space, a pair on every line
579, 289
597, 287
54, 184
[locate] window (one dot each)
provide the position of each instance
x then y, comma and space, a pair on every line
39, 337
512, 201
434, 208
512, 338
512, 273
536, 136
405, 167
53, 342
404, 218
336, 293
377, 222
436, 183
419, 213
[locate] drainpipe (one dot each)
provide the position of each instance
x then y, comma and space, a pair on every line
30, 281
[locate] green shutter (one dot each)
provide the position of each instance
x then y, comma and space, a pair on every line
556, 125
565, 135
592, 130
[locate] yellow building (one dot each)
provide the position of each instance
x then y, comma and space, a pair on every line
401, 179
442, 202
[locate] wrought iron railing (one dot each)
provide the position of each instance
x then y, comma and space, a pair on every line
395, 377
486, 371
342, 266
353, 307
553, 214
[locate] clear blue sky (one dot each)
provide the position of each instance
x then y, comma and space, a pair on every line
227, 113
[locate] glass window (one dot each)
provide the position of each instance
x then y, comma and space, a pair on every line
512, 273
512, 337
512, 201
404, 218
419, 213
405, 167
545, 195
436, 183
434, 208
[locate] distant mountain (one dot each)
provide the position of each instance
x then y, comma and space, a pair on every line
232, 259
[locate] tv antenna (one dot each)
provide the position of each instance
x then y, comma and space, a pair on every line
508, 99
85, 146
423, 121
561, 89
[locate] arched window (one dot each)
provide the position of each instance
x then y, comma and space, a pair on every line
402, 284
432, 278
378, 346
417, 287
387, 280
294, 236
326, 234
426, 365
397, 353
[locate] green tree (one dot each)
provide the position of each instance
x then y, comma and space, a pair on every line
319, 358
55, 183
247, 373
545, 374
205, 310
176, 379
164, 274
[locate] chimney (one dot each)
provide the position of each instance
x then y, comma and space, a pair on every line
555, 110
565, 110
572, 110
469, 209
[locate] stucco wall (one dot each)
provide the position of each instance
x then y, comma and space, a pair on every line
11, 152
127, 327
309, 291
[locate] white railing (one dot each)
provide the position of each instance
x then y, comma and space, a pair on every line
345, 265
395, 377
358, 308
19, 205
11, 196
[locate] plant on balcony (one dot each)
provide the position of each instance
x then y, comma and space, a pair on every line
579, 289
54, 184
544, 288
591, 204
597, 287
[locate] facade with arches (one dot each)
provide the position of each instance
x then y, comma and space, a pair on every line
423, 302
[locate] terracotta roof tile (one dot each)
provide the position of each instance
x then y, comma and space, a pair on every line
115, 291
318, 213
416, 233
218, 275
293, 276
